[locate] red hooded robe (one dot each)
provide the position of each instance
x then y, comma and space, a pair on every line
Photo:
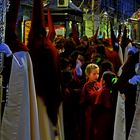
45, 60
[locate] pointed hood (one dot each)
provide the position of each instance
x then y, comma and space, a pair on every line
46, 65
51, 33
38, 22
37, 30
95, 36
119, 31
114, 39
11, 38
124, 41
75, 34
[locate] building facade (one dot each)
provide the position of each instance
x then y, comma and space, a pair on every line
105, 11
94, 12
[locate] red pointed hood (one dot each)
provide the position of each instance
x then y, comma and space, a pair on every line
37, 30
45, 60
75, 35
51, 33
95, 36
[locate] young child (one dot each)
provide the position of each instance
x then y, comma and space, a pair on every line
105, 105
88, 96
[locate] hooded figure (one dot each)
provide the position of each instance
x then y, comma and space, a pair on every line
105, 106
46, 64
129, 90
11, 38
20, 116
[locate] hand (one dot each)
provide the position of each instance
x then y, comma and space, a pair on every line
78, 68
134, 80
116, 45
78, 63
133, 49
5, 49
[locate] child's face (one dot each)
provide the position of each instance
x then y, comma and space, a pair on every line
94, 75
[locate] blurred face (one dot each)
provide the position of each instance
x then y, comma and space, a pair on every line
85, 43
94, 75
95, 58
81, 59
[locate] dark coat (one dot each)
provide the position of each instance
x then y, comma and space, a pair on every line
128, 71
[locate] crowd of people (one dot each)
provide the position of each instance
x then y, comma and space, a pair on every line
58, 88
92, 76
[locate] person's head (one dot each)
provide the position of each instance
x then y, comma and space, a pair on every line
106, 65
108, 79
59, 43
84, 40
80, 58
92, 72
108, 43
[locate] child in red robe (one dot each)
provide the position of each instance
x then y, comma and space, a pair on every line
88, 96
105, 104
